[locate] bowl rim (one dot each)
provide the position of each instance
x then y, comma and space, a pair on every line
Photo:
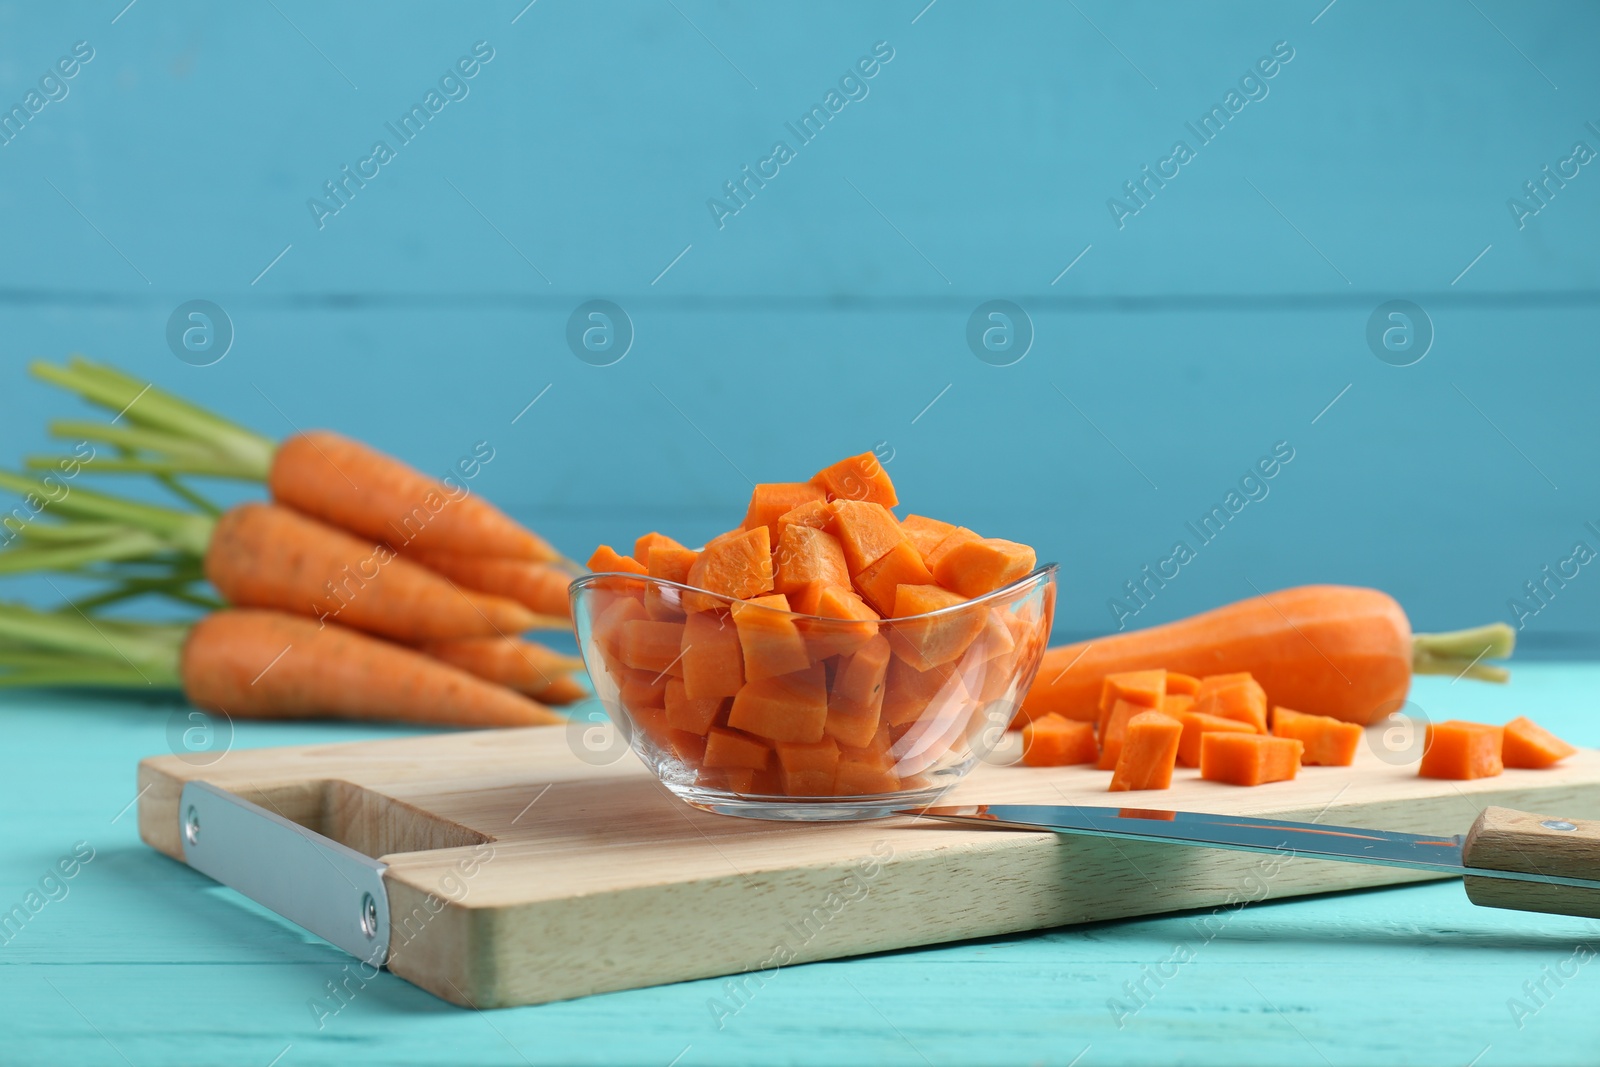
1044, 573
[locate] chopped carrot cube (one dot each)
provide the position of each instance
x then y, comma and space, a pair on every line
686, 714
1462, 750
816, 514
713, 664
1530, 745
642, 547
1115, 732
607, 560
770, 500
1197, 723
671, 562
857, 624
1149, 750
925, 533
731, 749
789, 707
1052, 741
858, 478
1145, 688
806, 555
910, 694
640, 691
928, 643
856, 702
816, 756
865, 531
737, 566
900, 565
1329, 742
1248, 759
652, 646
958, 536
1233, 696
771, 641
1185, 684
974, 568
1175, 704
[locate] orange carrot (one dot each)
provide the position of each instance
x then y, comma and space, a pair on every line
771, 500
1149, 750
858, 478
974, 568
925, 533
1052, 741
1530, 745
865, 532
1196, 725
607, 560
1233, 696
267, 664
539, 587
530, 668
1325, 649
652, 540
1114, 735
266, 556
357, 488
1248, 759
1462, 750
1329, 742
900, 565
1145, 688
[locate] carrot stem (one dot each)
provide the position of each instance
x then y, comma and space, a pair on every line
151, 650
147, 406
1460, 652
129, 544
183, 530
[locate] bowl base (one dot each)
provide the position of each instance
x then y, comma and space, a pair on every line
808, 809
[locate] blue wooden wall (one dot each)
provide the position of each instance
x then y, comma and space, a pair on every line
830, 313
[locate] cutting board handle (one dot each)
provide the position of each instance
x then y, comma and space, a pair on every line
1507, 840
333, 891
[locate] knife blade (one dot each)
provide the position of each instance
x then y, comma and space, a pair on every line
1562, 856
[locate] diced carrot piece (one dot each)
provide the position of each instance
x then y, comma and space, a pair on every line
974, 568
1149, 750
739, 566
925, 533
1052, 741
1195, 724
858, 779
856, 626
901, 565
772, 643
856, 703
642, 547
731, 749
607, 627
1113, 736
790, 707
865, 532
909, 694
929, 642
806, 555
1238, 697
1530, 745
1329, 742
875, 753
806, 783
1183, 684
1145, 688
1248, 759
713, 664
858, 478
959, 536
1155, 814
640, 691
671, 562
1175, 704
816, 514
997, 638
770, 500
688, 747
1462, 750
651, 721
653, 646
686, 713
607, 560
817, 756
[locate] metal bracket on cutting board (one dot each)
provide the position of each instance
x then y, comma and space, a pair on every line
333, 891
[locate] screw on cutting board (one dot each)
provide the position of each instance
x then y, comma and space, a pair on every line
1558, 824
369, 916
191, 825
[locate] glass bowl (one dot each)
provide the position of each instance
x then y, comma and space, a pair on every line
752, 711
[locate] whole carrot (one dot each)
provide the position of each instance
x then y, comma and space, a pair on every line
357, 488
540, 587
265, 556
271, 665
530, 668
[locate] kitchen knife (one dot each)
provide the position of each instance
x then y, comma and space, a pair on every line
1509, 859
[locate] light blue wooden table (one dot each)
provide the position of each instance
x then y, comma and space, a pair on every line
144, 962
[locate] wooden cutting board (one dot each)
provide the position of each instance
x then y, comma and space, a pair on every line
588, 878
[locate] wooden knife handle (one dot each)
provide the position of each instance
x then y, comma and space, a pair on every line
1507, 840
